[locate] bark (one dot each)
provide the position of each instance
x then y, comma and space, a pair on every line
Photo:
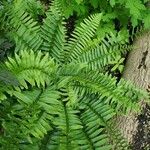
135, 127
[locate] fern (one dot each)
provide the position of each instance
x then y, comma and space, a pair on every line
101, 54
37, 122
81, 36
65, 98
53, 35
29, 67
118, 15
23, 25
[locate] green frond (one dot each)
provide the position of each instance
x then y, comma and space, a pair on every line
34, 8
56, 6
71, 69
25, 30
35, 68
131, 91
100, 53
81, 36
37, 108
94, 119
66, 73
72, 99
98, 117
107, 87
67, 125
53, 33
37, 125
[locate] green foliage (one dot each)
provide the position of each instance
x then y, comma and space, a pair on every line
118, 15
65, 99
118, 64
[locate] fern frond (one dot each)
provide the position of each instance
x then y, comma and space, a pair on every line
68, 123
39, 106
31, 67
56, 6
86, 81
100, 53
81, 36
25, 30
72, 99
34, 8
52, 141
37, 125
106, 87
53, 33
131, 91
97, 117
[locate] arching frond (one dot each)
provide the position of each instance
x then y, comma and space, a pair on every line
31, 67
98, 118
25, 30
107, 87
100, 53
81, 36
68, 123
53, 33
37, 109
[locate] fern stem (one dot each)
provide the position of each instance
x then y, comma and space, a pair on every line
67, 128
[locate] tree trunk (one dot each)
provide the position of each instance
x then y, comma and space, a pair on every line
136, 128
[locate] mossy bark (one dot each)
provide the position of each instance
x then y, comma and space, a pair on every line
136, 127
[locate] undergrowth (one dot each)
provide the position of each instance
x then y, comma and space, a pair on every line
60, 92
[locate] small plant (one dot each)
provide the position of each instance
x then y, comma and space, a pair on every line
118, 64
118, 15
65, 98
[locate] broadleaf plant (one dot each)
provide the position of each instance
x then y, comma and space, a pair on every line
66, 98
118, 15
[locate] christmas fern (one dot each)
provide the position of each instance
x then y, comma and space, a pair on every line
65, 99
